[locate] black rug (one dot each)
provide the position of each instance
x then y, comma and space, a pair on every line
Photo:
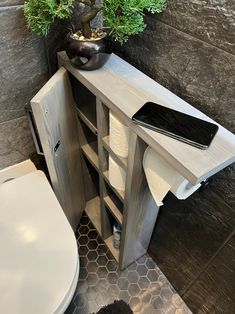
116, 307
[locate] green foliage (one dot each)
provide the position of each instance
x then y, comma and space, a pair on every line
126, 18
123, 17
40, 14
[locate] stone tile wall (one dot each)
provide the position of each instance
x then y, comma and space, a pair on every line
23, 71
190, 49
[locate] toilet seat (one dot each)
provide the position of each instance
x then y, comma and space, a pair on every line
39, 262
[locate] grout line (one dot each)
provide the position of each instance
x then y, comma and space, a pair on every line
11, 6
12, 119
183, 292
190, 35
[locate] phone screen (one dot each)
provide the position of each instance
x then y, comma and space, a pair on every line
176, 124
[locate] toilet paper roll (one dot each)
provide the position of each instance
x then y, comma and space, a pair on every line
161, 178
117, 175
118, 136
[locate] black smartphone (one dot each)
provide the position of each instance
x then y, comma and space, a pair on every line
183, 127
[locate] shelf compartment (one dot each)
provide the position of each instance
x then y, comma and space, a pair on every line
93, 212
113, 205
120, 194
109, 243
90, 150
87, 114
122, 162
85, 104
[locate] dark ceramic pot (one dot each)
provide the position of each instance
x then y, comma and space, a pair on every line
95, 52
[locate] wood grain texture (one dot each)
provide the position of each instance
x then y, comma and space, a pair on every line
111, 204
93, 212
57, 126
115, 252
89, 160
88, 118
90, 151
120, 194
102, 124
140, 210
124, 89
122, 162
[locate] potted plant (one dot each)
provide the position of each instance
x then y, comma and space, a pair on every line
122, 19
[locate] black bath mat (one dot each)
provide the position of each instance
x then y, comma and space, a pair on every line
117, 307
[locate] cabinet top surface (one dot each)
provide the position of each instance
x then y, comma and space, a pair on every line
125, 89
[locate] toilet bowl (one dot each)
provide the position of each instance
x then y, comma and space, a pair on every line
39, 262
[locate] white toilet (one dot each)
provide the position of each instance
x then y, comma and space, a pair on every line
39, 262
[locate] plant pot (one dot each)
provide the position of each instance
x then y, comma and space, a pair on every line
93, 51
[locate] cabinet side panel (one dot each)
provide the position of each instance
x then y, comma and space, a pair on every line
55, 117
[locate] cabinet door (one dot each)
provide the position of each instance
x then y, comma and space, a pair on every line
55, 117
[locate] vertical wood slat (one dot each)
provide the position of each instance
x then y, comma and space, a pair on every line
103, 130
55, 118
140, 210
90, 190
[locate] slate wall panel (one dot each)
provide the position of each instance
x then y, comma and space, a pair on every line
211, 21
213, 291
190, 50
23, 64
16, 142
194, 70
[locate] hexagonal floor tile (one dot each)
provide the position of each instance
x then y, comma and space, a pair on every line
80, 300
92, 267
141, 284
133, 289
102, 260
83, 273
102, 249
112, 265
92, 255
92, 235
112, 278
132, 277
84, 221
142, 260
102, 272
142, 270
91, 293
150, 264
124, 295
135, 304
92, 245
83, 240
152, 275
123, 283
92, 279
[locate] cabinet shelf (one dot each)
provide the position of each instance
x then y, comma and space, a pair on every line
87, 114
122, 162
111, 204
109, 243
92, 210
90, 151
120, 194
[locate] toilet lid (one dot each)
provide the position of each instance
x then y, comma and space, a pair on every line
38, 250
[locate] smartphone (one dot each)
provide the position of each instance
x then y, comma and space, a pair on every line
180, 126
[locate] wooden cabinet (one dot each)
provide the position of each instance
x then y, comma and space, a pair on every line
74, 132
133, 208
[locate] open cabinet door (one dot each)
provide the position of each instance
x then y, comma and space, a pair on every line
55, 117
